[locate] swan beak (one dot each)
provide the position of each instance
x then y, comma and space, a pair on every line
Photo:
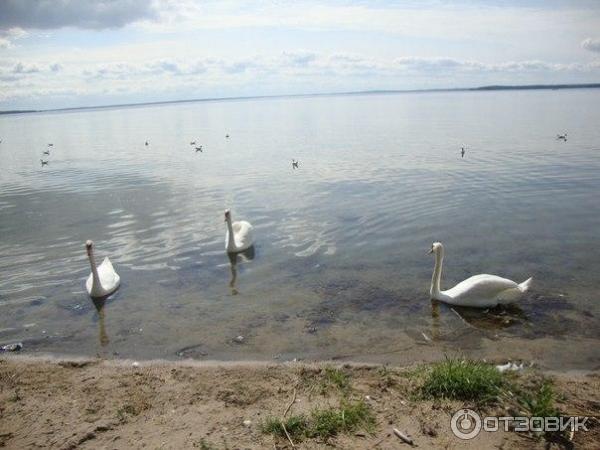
430, 251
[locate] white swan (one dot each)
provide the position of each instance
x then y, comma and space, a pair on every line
241, 232
103, 280
478, 291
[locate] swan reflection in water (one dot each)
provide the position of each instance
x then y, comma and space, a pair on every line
490, 319
234, 257
496, 318
100, 303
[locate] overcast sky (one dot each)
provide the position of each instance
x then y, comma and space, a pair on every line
59, 53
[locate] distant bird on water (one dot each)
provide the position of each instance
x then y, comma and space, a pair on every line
294, 164
146, 144
193, 143
199, 149
462, 152
562, 136
46, 152
44, 163
50, 145
227, 136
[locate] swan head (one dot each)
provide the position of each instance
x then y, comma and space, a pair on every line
88, 246
436, 248
227, 215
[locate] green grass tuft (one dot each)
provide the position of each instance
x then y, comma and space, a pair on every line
349, 417
296, 426
463, 380
540, 402
337, 378
387, 377
204, 445
324, 423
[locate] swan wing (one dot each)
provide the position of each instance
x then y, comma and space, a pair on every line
482, 291
109, 278
243, 235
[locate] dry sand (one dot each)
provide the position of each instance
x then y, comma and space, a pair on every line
87, 403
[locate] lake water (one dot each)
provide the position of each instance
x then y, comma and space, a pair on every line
340, 269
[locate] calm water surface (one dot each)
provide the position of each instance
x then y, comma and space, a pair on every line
340, 268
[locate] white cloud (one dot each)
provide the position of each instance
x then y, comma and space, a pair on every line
440, 19
8, 36
593, 45
25, 68
299, 58
309, 71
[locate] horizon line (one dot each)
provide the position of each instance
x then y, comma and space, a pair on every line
324, 94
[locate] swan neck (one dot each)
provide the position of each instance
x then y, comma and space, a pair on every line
95, 276
437, 274
231, 243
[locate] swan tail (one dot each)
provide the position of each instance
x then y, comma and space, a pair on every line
525, 285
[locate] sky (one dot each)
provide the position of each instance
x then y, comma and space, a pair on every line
69, 53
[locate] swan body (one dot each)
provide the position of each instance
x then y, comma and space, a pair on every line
103, 280
478, 291
239, 235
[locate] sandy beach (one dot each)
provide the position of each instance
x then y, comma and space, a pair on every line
92, 403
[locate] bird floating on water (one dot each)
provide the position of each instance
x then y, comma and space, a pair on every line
562, 136
294, 164
146, 144
50, 145
46, 152
479, 291
239, 235
44, 163
462, 152
227, 136
193, 143
103, 280
199, 149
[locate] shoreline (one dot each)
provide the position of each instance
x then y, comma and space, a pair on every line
486, 88
67, 403
239, 364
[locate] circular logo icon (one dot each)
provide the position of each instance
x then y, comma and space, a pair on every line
465, 424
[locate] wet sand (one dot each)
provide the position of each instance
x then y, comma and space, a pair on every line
94, 403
